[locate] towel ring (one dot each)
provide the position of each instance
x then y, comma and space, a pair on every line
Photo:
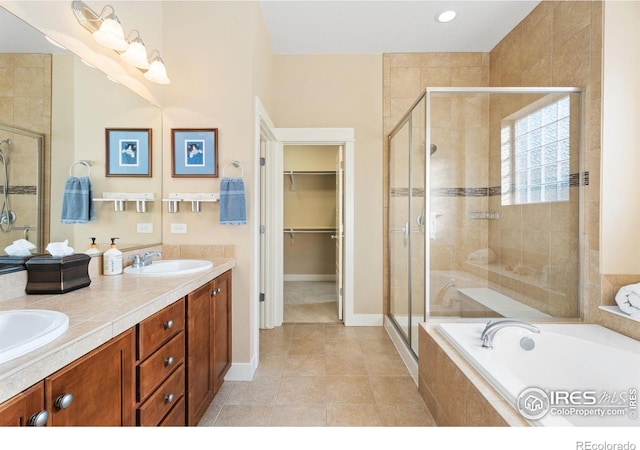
234, 164
84, 163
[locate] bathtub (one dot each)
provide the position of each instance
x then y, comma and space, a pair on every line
575, 375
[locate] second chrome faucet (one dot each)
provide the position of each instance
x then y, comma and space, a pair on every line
492, 328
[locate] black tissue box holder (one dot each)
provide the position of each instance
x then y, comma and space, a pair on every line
57, 274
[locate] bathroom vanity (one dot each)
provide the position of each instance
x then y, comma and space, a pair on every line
138, 351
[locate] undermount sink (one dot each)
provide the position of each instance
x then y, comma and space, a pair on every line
22, 331
170, 267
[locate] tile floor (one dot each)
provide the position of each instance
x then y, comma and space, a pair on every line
323, 375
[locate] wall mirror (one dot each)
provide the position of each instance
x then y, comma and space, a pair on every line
50, 92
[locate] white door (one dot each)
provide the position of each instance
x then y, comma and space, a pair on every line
339, 236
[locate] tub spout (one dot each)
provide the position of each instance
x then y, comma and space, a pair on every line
492, 328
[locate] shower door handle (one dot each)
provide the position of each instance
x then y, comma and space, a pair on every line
404, 231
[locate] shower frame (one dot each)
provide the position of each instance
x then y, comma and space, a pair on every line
426, 96
40, 219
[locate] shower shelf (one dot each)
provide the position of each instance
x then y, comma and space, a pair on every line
119, 200
618, 312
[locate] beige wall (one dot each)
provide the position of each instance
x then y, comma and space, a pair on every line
78, 133
214, 86
343, 91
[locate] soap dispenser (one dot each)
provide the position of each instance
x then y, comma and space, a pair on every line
93, 248
112, 259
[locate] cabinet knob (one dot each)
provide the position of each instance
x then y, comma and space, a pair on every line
214, 293
168, 398
64, 401
38, 419
168, 361
168, 324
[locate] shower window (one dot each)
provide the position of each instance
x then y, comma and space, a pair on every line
535, 153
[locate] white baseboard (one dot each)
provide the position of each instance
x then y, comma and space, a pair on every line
309, 277
365, 320
242, 371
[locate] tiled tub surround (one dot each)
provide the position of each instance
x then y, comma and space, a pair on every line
97, 313
456, 394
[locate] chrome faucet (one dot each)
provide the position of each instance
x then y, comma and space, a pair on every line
141, 261
146, 259
492, 328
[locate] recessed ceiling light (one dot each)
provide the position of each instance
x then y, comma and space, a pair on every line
446, 15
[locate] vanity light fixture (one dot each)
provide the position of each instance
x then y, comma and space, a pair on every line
110, 34
446, 15
107, 30
157, 71
136, 52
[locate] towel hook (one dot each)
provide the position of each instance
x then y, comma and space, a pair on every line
235, 164
82, 162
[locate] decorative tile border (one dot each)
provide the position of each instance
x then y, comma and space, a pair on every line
21, 190
574, 181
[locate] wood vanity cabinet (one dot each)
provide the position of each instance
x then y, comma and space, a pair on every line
25, 409
160, 368
208, 344
95, 390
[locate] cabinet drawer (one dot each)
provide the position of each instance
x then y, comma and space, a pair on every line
162, 400
159, 365
158, 328
176, 417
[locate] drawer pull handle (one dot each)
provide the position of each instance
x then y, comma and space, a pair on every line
168, 361
38, 419
168, 398
168, 324
215, 292
64, 401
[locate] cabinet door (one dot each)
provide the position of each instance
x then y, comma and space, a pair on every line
101, 385
25, 409
199, 354
221, 332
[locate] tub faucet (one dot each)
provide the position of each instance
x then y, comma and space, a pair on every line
492, 328
146, 259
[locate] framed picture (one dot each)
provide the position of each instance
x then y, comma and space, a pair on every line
128, 152
194, 152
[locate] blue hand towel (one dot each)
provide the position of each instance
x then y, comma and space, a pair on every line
77, 201
233, 210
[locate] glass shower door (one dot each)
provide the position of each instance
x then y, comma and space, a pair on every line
407, 173
399, 157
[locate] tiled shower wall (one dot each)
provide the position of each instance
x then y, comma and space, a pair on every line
558, 44
25, 102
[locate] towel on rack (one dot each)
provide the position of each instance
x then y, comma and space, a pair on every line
628, 299
77, 201
233, 210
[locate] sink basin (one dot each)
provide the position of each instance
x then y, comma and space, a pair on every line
22, 331
170, 267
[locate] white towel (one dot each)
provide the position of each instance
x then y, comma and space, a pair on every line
628, 299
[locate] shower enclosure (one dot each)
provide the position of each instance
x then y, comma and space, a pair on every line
487, 222
21, 208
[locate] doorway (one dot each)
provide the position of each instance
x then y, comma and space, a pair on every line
276, 233
313, 223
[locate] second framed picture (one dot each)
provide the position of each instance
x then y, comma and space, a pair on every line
194, 152
128, 152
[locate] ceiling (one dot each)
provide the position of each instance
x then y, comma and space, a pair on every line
391, 26
348, 27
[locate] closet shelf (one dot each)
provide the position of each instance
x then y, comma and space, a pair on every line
292, 174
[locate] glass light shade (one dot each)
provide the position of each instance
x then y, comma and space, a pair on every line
136, 55
111, 34
157, 72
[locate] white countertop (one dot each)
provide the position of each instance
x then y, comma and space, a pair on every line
97, 313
